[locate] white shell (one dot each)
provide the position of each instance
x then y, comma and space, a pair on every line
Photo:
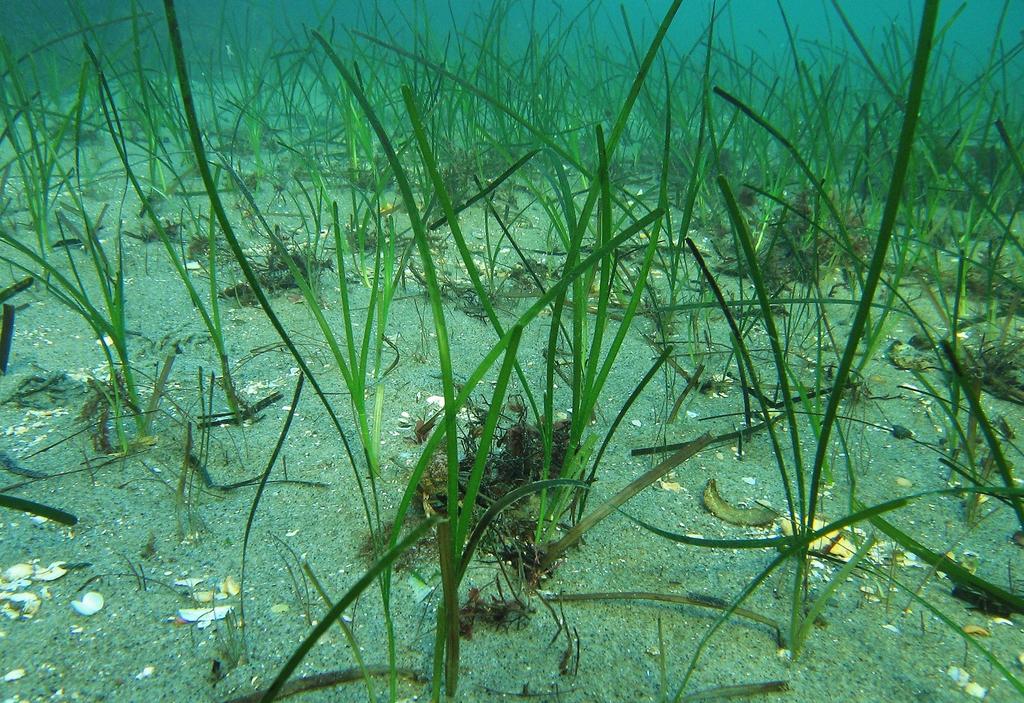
960, 677
20, 605
18, 571
16, 585
14, 675
189, 582
90, 604
51, 573
204, 617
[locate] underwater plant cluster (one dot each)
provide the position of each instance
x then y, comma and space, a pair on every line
499, 351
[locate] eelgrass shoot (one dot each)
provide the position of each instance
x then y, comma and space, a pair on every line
510, 350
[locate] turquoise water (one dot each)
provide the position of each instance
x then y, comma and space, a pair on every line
636, 292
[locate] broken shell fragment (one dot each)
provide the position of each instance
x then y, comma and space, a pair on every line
17, 572
51, 573
958, 675
835, 544
90, 604
975, 690
230, 586
189, 582
20, 606
203, 596
14, 675
204, 617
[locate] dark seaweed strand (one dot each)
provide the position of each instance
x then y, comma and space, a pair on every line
973, 395
117, 134
886, 229
745, 362
203, 166
346, 600
30, 506
11, 465
488, 189
17, 287
743, 690
6, 336
1014, 154
698, 600
259, 490
328, 679
970, 641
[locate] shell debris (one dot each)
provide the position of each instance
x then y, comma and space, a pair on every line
17, 572
836, 544
188, 582
202, 618
958, 676
963, 680
89, 604
19, 606
229, 586
50, 573
973, 688
204, 596
18, 577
